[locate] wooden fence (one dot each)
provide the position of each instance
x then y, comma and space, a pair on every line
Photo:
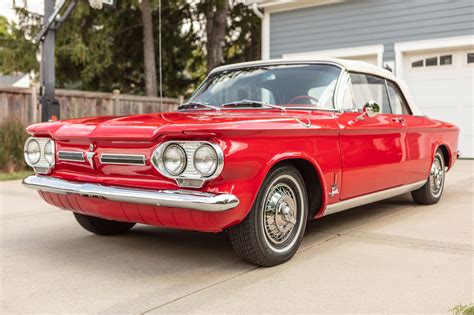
23, 104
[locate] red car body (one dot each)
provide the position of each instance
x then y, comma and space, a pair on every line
333, 149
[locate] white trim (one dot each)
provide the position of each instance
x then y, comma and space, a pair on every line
288, 5
427, 45
343, 53
266, 36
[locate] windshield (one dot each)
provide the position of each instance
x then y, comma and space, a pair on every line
298, 86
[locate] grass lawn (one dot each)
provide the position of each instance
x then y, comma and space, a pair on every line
14, 176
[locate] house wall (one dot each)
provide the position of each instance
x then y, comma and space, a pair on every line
368, 22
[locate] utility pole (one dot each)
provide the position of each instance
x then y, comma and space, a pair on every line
49, 105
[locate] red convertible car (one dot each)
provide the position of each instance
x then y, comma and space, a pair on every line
258, 149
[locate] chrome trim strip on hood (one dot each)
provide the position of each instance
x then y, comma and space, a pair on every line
73, 156
165, 198
123, 159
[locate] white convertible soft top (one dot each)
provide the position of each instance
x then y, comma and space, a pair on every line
348, 65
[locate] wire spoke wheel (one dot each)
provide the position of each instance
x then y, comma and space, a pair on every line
280, 213
436, 178
274, 228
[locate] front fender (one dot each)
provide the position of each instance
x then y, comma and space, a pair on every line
248, 161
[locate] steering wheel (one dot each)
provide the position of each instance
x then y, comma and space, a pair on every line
303, 97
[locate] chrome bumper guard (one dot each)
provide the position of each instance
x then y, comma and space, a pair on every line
166, 198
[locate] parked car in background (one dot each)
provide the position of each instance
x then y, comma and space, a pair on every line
259, 149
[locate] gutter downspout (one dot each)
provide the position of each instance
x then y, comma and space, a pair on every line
257, 11
265, 17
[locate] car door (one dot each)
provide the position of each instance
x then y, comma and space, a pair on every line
419, 137
373, 149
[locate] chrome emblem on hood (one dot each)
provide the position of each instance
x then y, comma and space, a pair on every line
90, 155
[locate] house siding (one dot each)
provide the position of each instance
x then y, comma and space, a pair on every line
368, 22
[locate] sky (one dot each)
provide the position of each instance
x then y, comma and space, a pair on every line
6, 7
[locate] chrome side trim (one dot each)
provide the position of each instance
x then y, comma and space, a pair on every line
373, 197
73, 156
165, 198
123, 159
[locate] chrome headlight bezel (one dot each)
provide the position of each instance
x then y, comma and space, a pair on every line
214, 167
27, 151
160, 162
189, 176
44, 164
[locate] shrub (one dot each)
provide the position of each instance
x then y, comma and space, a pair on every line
12, 139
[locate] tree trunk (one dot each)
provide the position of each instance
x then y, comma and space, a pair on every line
148, 49
216, 28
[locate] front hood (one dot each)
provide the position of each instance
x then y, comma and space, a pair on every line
151, 126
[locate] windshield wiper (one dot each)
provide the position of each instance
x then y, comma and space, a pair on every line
249, 103
192, 105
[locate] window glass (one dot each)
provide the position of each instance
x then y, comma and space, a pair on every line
368, 88
306, 85
431, 61
470, 58
446, 60
397, 101
348, 99
417, 64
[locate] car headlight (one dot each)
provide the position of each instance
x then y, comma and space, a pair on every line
32, 152
191, 163
40, 154
174, 159
49, 152
205, 160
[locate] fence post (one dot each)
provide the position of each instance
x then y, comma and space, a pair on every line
116, 94
33, 106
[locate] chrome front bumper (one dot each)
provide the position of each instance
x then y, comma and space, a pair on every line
166, 198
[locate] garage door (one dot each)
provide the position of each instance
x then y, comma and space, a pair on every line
442, 84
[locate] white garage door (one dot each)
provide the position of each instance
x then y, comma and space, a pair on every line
442, 84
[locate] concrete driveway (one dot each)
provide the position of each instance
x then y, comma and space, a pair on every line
391, 256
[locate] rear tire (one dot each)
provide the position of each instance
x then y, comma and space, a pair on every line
274, 228
431, 192
102, 226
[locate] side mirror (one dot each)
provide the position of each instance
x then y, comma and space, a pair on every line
371, 109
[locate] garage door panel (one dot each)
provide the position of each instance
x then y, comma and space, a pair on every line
445, 92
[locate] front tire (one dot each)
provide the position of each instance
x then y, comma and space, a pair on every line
102, 226
274, 228
431, 192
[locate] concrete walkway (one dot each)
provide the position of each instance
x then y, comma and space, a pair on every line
391, 256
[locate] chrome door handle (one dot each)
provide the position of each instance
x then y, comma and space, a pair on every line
400, 120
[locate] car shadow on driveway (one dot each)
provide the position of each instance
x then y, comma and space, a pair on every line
154, 249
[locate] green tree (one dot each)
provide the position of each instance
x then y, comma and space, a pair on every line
17, 53
102, 50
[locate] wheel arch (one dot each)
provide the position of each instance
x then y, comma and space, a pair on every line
312, 176
446, 152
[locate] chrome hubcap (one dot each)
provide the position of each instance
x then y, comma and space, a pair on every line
436, 177
280, 213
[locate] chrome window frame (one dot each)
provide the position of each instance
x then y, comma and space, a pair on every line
340, 85
337, 106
